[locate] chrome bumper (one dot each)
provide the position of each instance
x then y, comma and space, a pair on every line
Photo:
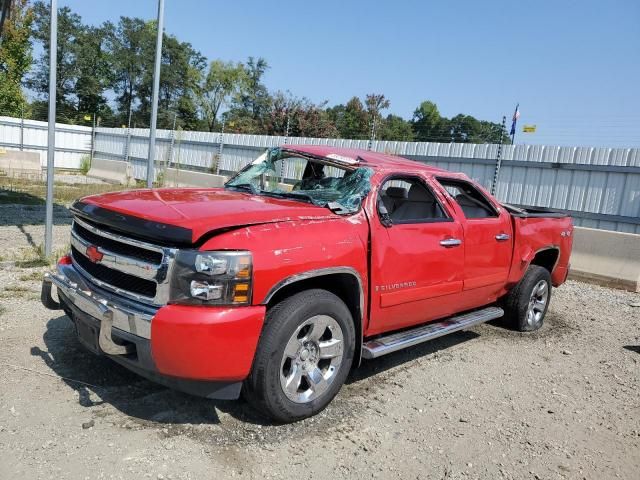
112, 312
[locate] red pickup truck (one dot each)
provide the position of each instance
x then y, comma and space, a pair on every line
310, 259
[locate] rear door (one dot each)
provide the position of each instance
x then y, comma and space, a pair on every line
488, 238
417, 256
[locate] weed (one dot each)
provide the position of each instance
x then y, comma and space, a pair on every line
15, 288
85, 164
35, 275
36, 257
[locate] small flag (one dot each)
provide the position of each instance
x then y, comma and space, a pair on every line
516, 116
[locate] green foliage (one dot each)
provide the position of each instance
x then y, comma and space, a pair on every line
85, 164
223, 81
395, 128
15, 57
252, 101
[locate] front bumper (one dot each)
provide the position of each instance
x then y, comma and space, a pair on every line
205, 351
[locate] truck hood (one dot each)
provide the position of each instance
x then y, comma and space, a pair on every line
184, 215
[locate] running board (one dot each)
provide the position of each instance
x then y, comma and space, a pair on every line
407, 338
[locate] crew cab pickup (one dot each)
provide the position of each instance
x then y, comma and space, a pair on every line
309, 260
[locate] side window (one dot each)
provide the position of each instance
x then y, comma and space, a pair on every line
471, 201
408, 200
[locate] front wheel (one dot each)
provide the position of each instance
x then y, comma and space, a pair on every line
526, 305
304, 356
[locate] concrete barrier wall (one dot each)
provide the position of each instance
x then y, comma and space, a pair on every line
188, 178
16, 163
113, 171
607, 258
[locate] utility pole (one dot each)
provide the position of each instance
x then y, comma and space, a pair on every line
93, 138
173, 138
22, 127
154, 100
127, 145
373, 134
494, 184
286, 133
51, 127
220, 147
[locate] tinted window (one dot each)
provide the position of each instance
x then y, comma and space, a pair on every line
471, 201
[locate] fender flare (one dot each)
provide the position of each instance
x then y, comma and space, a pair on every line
322, 272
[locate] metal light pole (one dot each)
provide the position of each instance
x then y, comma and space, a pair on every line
51, 143
154, 100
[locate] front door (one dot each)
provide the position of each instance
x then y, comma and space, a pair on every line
417, 256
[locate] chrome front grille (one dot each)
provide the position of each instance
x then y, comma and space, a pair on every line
128, 267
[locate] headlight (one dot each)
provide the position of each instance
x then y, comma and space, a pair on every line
212, 278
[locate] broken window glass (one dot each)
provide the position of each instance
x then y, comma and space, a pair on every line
284, 174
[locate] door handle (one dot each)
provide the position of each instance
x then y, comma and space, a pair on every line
450, 242
503, 237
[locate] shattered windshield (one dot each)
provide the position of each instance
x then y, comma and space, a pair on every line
287, 175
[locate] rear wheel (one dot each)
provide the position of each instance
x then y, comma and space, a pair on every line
304, 356
526, 305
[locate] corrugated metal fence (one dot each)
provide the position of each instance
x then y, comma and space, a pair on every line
599, 186
72, 141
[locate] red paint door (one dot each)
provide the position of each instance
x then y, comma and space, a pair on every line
417, 264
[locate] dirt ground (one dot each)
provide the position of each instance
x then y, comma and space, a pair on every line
488, 403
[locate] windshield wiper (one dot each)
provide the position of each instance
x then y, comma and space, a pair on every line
300, 196
245, 186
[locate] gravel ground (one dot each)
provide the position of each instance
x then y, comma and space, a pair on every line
22, 230
488, 403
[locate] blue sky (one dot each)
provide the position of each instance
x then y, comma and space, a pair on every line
574, 66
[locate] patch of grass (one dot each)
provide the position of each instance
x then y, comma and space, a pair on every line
21, 191
35, 275
85, 164
2, 309
33, 263
36, 257
16, 288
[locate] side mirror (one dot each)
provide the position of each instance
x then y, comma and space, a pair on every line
385, 218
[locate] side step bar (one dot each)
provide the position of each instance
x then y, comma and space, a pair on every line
397, 341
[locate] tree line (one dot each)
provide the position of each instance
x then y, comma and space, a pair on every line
106, 72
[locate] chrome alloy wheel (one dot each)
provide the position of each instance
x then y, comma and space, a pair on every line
312, 359
537, 303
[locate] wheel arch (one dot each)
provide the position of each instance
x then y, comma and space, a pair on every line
546, 257
344, 282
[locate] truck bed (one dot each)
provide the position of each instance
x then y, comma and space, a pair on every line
527, 211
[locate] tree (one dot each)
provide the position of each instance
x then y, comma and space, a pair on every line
15, 57
375, 104
131, 44
351, 120
94, 73
305, 119
223, 81
395, 128
69, 29
252, 102
428, 125
468, 129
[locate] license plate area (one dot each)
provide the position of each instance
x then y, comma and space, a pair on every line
88, 334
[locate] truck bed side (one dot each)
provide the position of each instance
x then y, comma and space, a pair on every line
542, 237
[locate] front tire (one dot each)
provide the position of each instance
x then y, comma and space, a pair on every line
304, 356
527, 303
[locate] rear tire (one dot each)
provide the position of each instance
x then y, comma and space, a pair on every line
527, 303
303, 357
